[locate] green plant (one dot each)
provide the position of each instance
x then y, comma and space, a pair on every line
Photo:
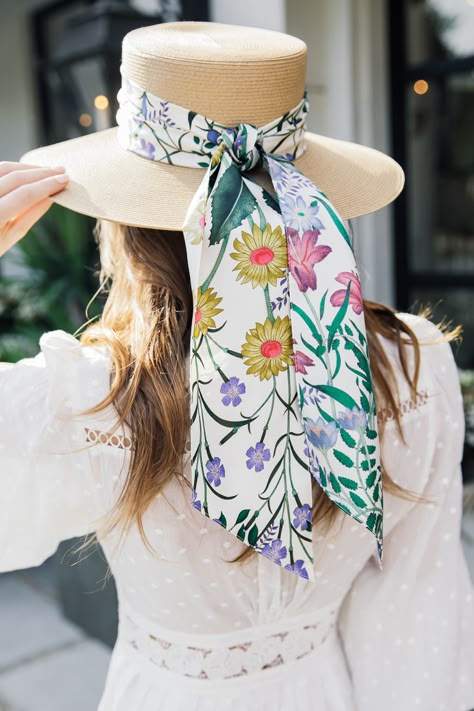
48, 281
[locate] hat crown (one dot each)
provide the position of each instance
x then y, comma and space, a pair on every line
228, 73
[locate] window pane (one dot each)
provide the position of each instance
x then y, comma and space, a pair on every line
457, 306
440, 171
438, 29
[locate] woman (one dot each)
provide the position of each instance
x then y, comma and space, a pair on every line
287, 606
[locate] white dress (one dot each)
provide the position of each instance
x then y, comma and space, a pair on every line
198, 633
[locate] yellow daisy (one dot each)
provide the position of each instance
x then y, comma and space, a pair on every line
268, 348
261, 256
206, 309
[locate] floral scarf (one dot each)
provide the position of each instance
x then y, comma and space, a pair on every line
282, 391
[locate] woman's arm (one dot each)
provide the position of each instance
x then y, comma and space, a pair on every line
25, 196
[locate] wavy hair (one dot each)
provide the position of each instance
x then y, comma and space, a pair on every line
146, 325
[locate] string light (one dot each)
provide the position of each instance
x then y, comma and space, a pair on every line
101, 102
85, 120
421, 86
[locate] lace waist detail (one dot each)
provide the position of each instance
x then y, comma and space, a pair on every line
223, 660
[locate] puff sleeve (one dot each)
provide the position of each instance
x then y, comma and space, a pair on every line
48, 490
408, 631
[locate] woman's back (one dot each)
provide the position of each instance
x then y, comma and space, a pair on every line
186, 610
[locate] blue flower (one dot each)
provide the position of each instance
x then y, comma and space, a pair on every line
196, 504
298, 568
275, 551
232, 390
257, 456
355, 419
213, 136
215, 471
302, 517
300, 216
146, 149
321, 434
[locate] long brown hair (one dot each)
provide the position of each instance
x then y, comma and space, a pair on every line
146, 325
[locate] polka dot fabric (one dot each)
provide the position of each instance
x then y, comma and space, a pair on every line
201, 633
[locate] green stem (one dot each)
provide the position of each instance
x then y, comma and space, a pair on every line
214, 269
326, 354
268, 304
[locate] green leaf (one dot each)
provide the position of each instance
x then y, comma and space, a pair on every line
253, 535
376, 493
196, 139
348, 330
364, 466
241, 533
370, 449
339, 395
271, 202
242, 516
339, 317
371, 519
191, 115
343, 458
357, 500
343, 507
335, 484
348, 483
314, 331
227, 423
347, 439
232, 202
222, 520
364, 402
371, 434
323, 304
322, 476
370, 481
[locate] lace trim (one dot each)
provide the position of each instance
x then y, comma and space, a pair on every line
119, 441
225, 662
386, 414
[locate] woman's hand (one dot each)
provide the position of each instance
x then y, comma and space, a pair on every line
25, 195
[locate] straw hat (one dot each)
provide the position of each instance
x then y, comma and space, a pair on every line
230, 74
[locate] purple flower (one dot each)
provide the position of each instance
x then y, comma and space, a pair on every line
298, 568
300, 216
312, 396
215, 471
213, 136
354, 419
257, 456
232, 390
275, 551
302, 517
146, 149
321, 434
196, 504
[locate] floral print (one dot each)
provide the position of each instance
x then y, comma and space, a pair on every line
206, 309
232, 390
281, 388
257, 456
303, 255
355, 294
261, 256
267, 350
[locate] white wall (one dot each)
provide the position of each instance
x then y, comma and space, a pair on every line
270, 14
348, 93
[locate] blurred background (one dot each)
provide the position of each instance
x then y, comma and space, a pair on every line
397, 75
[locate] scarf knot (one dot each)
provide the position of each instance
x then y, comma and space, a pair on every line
241, 144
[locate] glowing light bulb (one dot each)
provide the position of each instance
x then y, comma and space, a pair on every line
421, 86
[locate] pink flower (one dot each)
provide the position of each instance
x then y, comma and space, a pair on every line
303, 254
355, 294
301, 361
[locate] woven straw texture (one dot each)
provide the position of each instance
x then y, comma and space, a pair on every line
230, 74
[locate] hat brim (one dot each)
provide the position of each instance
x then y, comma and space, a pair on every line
114, 184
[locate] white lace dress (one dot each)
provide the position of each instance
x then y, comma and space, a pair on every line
201, 634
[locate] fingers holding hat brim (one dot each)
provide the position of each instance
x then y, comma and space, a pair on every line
111, 183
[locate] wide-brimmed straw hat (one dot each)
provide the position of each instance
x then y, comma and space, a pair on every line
231, 75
